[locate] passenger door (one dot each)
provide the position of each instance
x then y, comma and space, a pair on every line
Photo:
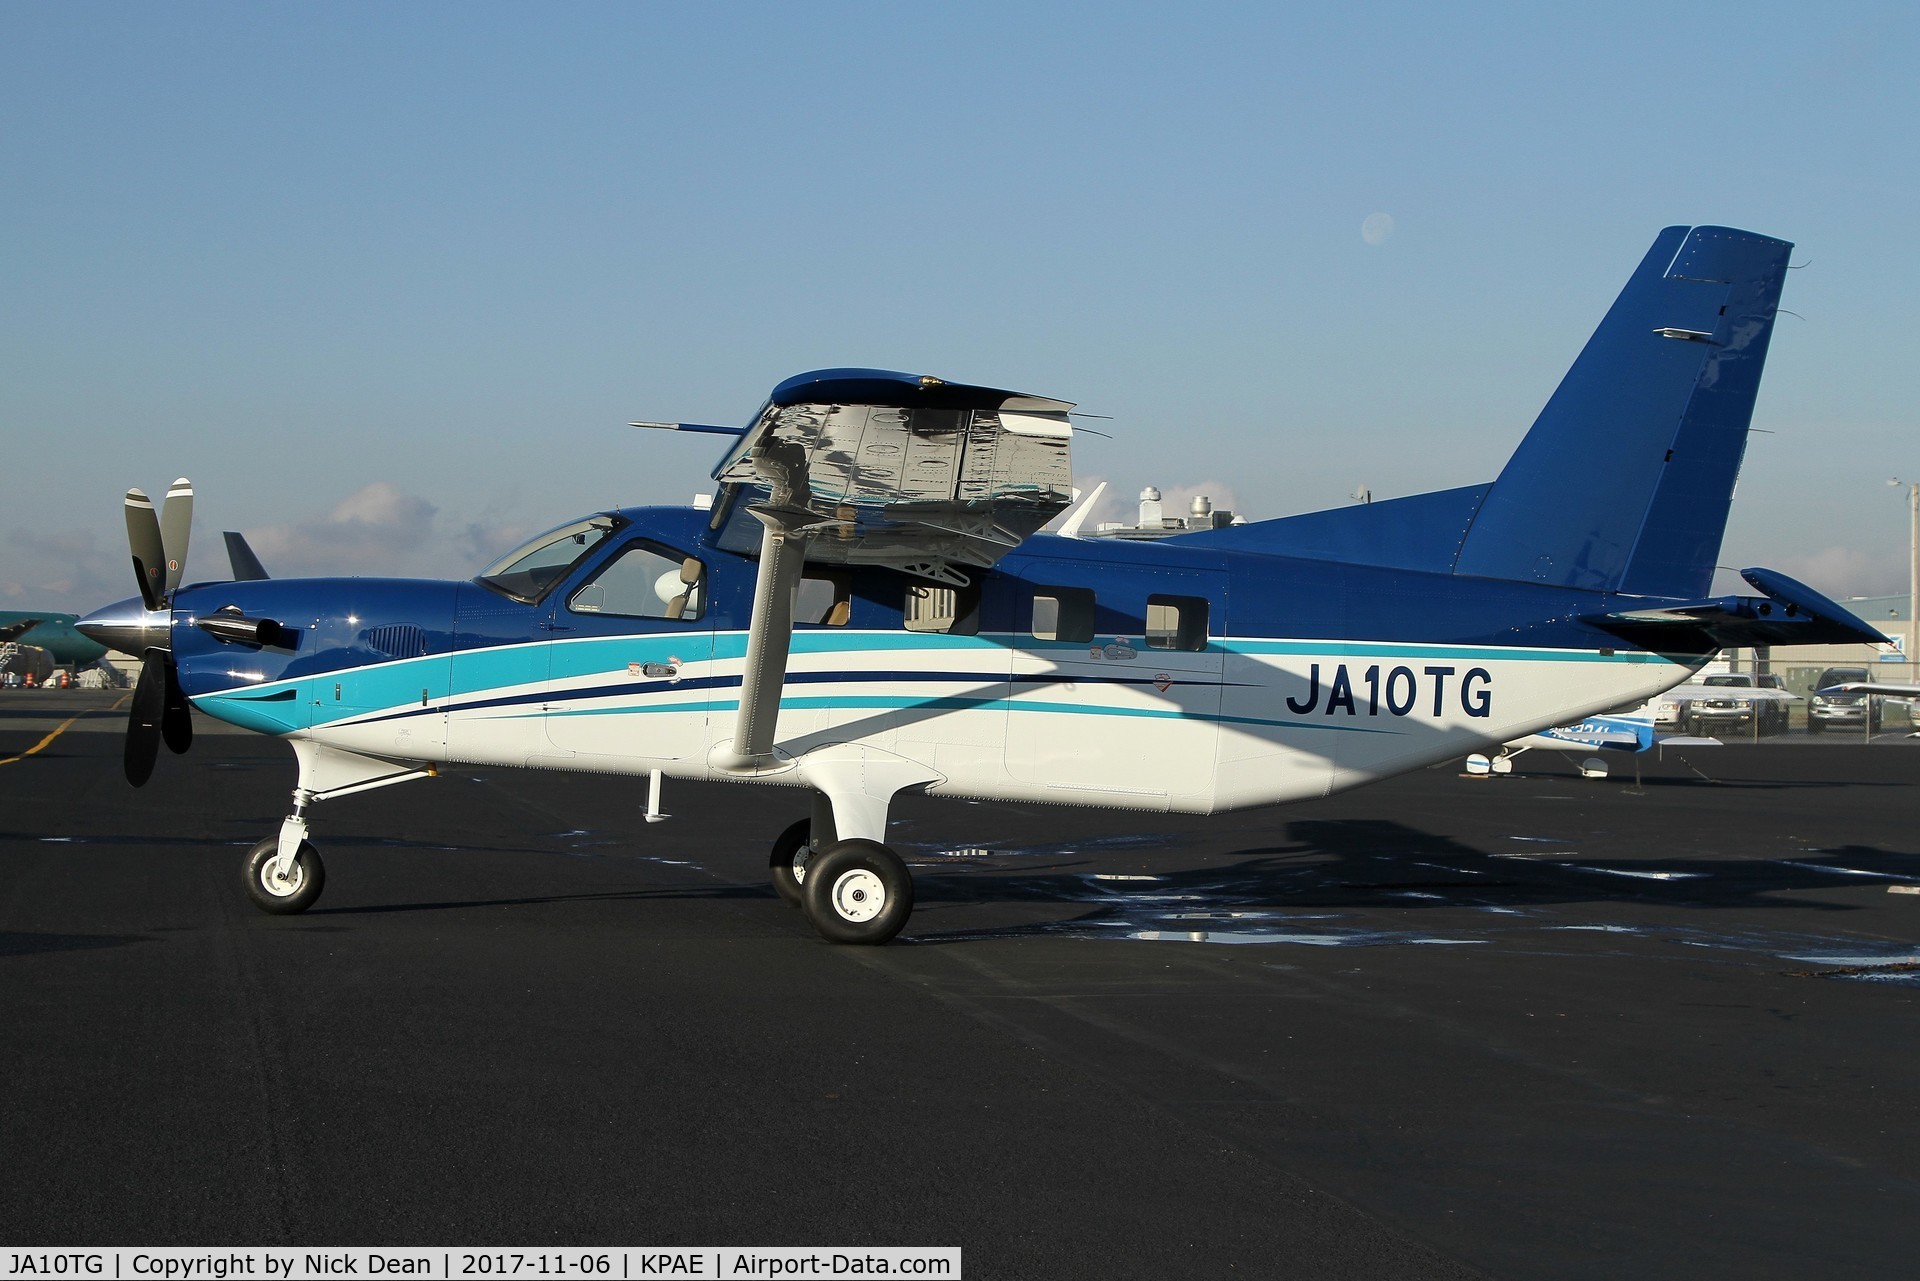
1117, 689
631, 658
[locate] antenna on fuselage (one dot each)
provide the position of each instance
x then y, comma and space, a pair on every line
1078, 517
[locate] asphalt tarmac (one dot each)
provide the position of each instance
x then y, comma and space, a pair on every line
1536, 1026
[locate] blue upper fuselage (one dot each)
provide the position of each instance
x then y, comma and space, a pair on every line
334, 625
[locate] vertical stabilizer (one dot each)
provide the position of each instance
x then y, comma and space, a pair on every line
1624, 481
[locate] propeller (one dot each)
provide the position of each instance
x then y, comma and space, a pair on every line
158, 543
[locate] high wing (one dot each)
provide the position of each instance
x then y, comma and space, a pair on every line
899, 469
876, 467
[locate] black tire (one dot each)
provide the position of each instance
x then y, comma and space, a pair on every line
857, 892
308, 877
1693, 727
788, 862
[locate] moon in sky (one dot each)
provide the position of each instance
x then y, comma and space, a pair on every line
1376, 228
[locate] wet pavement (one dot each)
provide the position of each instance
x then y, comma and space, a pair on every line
1533, 1026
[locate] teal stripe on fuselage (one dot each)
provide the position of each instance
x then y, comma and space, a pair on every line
528, 664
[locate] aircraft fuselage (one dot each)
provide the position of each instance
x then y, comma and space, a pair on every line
1151, 676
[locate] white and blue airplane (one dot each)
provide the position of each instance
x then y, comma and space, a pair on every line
869, 608
1633, 732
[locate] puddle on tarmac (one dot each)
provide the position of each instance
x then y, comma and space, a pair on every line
1356, 938
1636, 873
1844, 871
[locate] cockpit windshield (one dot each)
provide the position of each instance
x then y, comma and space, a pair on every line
530, 570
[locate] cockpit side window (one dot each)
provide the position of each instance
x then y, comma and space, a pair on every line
644, 581
531, 570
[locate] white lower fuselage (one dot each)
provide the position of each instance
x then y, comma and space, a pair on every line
1244, 722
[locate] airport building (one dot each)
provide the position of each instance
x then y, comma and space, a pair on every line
1155, 523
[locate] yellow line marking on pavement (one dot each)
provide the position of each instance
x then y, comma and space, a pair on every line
62, 728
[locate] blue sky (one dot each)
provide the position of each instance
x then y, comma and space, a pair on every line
387, 280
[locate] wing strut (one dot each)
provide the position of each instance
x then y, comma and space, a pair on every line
783, 553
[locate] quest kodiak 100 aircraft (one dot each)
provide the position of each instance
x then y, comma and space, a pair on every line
868, 607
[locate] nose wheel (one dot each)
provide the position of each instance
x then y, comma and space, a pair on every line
284, 893
857, 892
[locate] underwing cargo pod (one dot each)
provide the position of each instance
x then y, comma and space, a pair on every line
868, 608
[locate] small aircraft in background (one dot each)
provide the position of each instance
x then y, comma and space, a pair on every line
869, 608
1631, 732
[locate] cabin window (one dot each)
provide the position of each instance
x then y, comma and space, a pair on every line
825, 599
1063, 614
1177, 622
645, 582
931, 607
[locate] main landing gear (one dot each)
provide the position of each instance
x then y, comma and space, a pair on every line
853, 891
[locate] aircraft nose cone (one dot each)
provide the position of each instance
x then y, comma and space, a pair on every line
128, 626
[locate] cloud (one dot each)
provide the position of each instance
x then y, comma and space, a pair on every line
377, 529
382, 529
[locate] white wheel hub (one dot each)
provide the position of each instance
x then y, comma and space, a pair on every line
282, 886
859, 895
800, 857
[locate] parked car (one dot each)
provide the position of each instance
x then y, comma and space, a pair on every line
1840, 711
1732, 713
1669, 710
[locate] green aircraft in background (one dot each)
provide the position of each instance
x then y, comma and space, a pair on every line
52, 632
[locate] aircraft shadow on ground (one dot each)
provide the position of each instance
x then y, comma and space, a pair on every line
1329, 869
1323, 870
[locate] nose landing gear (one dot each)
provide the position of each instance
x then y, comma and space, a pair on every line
284, 892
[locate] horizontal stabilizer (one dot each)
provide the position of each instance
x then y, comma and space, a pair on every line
1791, 613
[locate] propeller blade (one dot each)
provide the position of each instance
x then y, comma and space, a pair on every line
149, 554
176, 721
176, 523
143, 720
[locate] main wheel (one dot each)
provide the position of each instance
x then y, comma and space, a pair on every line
788, 862
296, 892
857, 892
